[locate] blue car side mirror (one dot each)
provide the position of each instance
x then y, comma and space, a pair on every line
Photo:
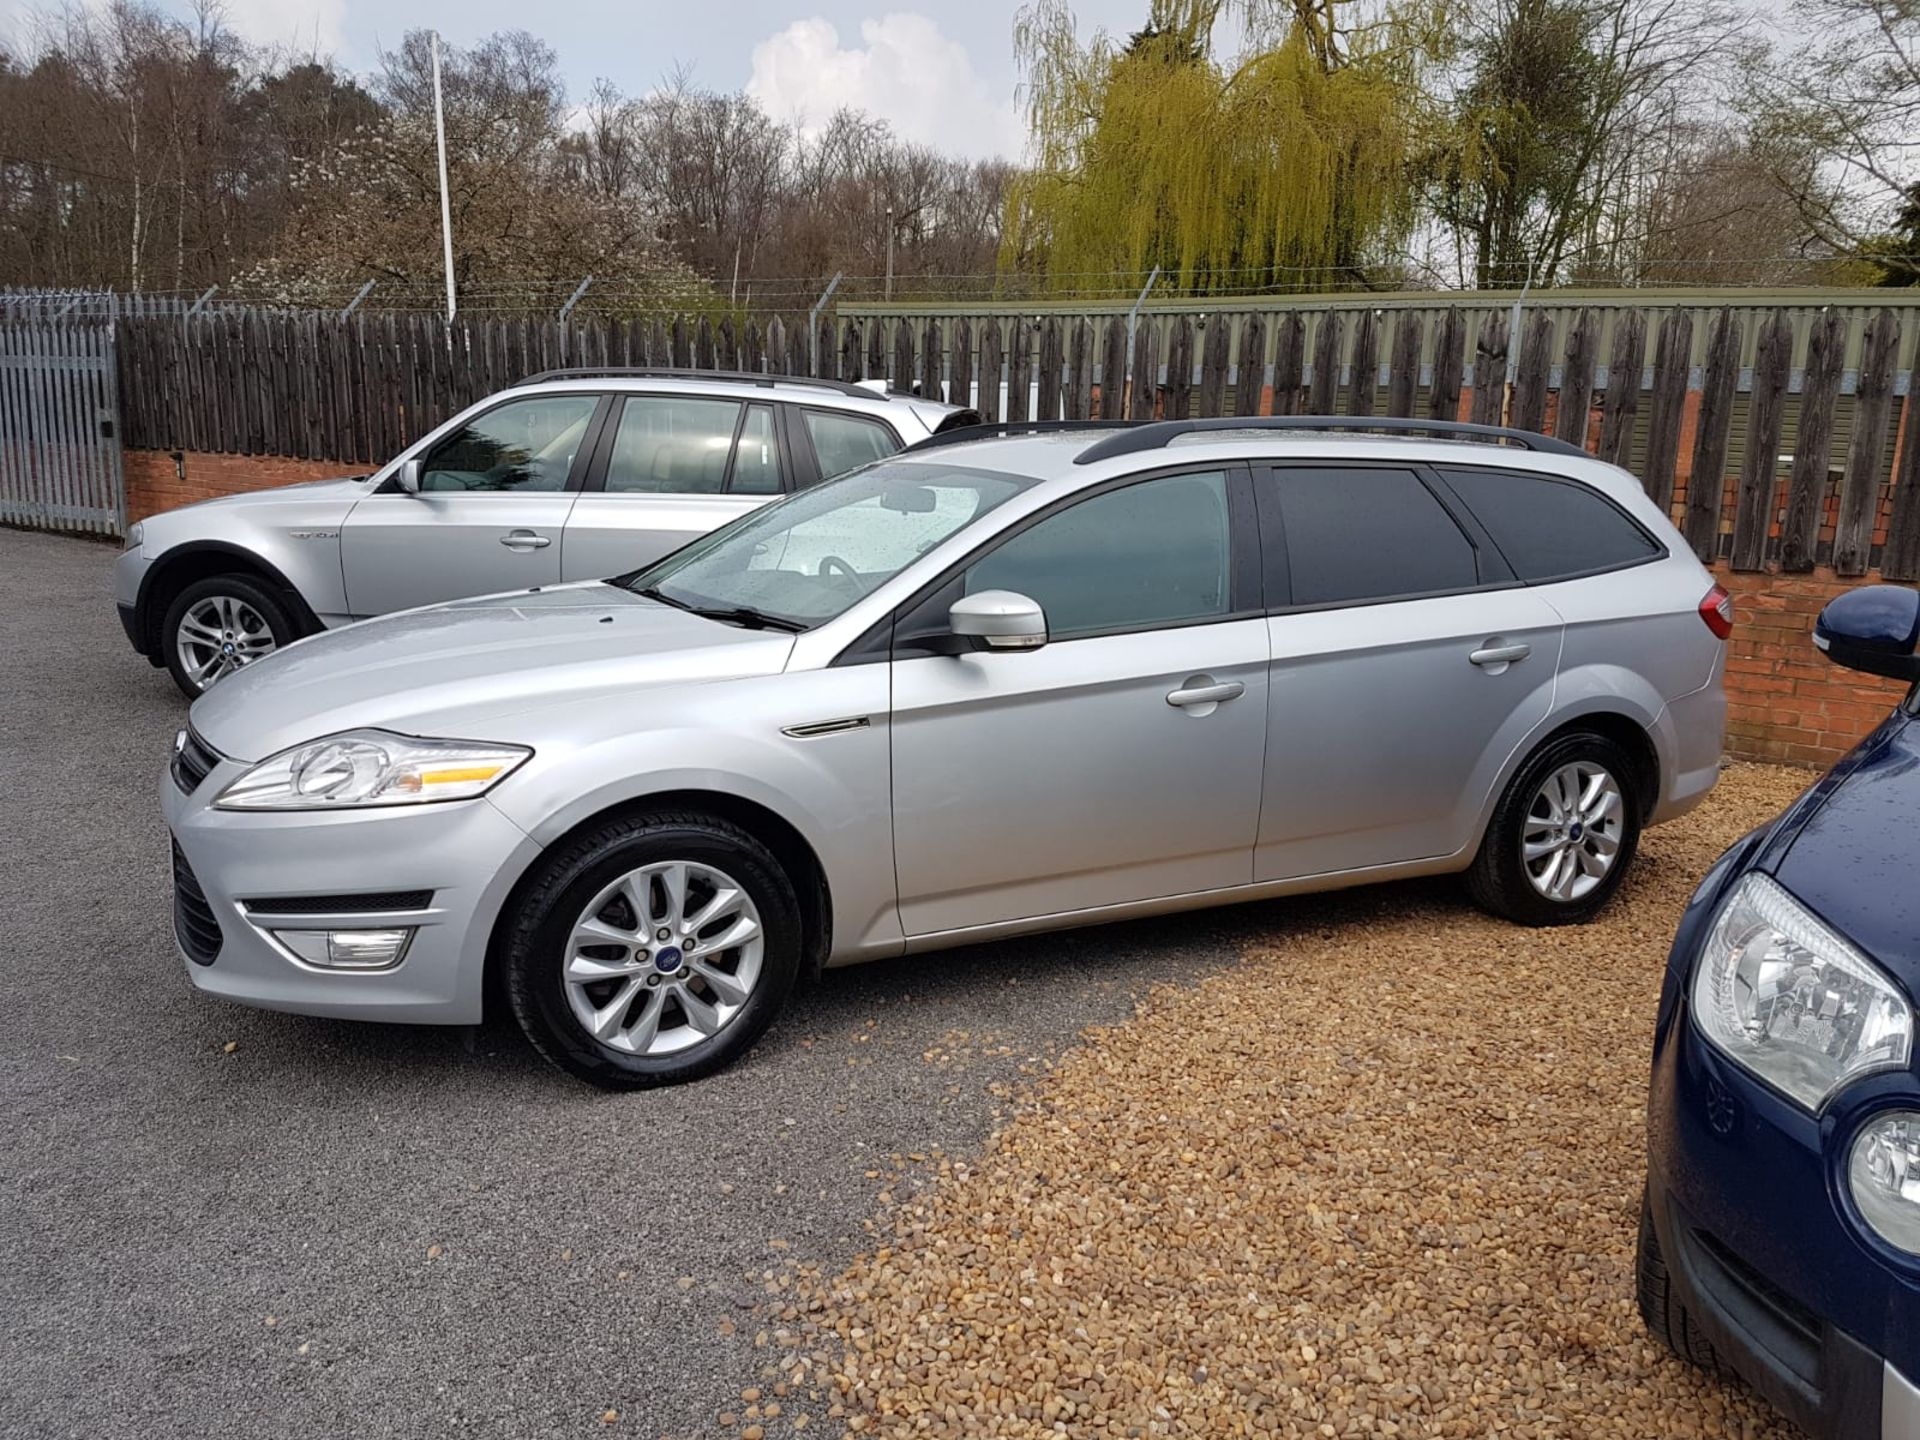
1874, 628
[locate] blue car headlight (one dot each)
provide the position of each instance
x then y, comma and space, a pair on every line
1785, 996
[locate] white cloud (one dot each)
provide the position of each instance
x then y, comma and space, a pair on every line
904, 71
301, 26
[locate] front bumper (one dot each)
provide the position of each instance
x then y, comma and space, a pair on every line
1749, 1210
465, 853
128, 573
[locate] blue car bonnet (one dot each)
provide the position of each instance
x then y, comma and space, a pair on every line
1855, 860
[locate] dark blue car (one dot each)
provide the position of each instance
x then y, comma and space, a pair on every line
1780, 1237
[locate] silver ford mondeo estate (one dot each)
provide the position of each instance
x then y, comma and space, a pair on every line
996, 683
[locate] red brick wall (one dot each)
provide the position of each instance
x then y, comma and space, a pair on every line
155, 483
1785, 701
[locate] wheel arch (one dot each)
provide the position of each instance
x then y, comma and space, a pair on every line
796, 854
197, 560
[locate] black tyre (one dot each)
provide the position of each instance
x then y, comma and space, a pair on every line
1563, 835
218, 625
652, 950
1666, 1318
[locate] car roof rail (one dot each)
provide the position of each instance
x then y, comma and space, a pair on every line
1142, 435
994, 429
731, 377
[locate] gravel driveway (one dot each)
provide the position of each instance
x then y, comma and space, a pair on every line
1362, 1164
334, 1229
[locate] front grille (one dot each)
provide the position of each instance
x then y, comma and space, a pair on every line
341, 904
193, 921
192, 761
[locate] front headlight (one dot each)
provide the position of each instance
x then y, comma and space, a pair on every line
1783, 995
371, 767
136, 532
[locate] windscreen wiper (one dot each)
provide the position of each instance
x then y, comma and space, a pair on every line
751, 619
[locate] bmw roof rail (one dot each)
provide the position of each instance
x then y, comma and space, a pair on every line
991, 429
1156, 434
731, 377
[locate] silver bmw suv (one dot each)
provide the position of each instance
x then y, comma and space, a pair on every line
986, 686
570, 475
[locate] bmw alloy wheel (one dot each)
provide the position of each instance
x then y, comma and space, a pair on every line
1573, 830
218, 635
663, 958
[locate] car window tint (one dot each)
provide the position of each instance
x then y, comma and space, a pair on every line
672, 445
841, 442
1368, 534
1154, 553
756, 458
1549, 529
520, 446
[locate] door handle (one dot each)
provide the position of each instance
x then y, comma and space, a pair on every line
524, 540
1206, 694
1500, 654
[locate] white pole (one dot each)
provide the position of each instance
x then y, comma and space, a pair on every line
446, 205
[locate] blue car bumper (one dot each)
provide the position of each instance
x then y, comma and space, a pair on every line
1747, 1196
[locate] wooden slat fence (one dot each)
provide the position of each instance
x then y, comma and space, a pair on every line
1776, 434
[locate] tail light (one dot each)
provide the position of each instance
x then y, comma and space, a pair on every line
1717, 610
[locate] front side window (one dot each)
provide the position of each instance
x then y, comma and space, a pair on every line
1550, 529
1364, 533
672, 445
521, 446
846, 442
1155, 553
803, 560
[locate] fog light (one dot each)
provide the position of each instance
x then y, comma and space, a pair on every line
348, 949
1884, 1175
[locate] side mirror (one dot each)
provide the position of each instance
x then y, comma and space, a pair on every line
1874, 628
999, 620
407, 477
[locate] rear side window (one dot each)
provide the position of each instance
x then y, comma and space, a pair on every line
1361, 534
841, 442
1551, 529
672, 445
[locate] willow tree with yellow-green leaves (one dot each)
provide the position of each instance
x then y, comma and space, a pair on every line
1290, 164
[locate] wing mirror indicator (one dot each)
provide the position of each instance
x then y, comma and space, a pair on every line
1874, 628
999, 620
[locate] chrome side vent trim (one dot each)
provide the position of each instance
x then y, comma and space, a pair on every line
818, 728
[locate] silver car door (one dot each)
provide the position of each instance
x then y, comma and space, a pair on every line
492, 508
1121, 761
1407, 666
674, 467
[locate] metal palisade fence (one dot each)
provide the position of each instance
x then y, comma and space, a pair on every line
59, 426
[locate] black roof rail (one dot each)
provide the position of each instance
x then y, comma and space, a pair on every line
990, 429
732, 377
1155, 434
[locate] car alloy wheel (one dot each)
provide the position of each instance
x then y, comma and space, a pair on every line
1573, 829
664, 958
219, 634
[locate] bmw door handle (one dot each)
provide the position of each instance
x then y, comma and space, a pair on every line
524, 540
1500, 654
1205, 694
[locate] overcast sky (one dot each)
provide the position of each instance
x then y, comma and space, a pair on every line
943, 75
